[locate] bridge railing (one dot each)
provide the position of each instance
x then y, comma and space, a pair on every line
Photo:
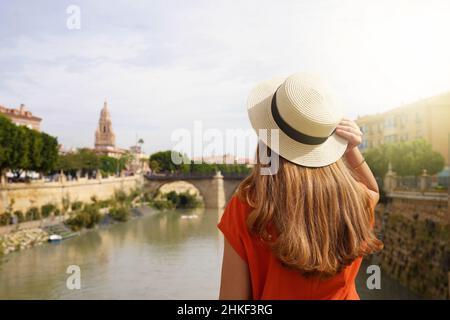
235, 175
194, 175
166, 176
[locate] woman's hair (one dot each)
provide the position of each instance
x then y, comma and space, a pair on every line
322, 216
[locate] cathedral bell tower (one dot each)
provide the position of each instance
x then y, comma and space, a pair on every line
104, 135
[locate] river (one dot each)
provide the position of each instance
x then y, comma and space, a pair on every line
156, 256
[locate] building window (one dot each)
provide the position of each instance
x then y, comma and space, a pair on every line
389, 122
364, 144
419, 134
390, 138
418, 117
363, 128
402, 120
404, 137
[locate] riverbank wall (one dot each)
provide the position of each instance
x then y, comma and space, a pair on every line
23, 196
415, 230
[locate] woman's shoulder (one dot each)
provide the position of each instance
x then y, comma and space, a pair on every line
237, 210
237, 203
233, 224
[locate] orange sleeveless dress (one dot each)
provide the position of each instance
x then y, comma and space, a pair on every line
269, 279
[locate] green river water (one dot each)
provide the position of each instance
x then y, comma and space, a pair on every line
156, 256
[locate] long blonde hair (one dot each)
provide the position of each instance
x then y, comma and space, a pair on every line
322, 216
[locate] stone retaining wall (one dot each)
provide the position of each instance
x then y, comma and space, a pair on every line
415, 231
39, 193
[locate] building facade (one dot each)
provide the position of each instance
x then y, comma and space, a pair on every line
139, 162
427, 119
22, 117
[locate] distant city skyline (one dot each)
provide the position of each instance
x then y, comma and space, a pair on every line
162, 65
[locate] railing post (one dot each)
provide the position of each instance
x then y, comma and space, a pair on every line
390, 180
218, 191
423, 181
62, 177
98, 175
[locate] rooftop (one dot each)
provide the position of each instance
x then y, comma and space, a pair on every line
433, 100
20, 112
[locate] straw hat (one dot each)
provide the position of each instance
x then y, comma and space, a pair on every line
306, 114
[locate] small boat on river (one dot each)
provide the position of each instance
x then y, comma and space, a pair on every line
54, 238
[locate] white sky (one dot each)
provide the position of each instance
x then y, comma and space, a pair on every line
164, 64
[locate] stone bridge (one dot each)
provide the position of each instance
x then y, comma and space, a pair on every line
216, 189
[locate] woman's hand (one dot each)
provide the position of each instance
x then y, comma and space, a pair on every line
350, 131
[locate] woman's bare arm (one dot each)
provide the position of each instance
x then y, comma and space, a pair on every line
235, 280
363, 172
350, 131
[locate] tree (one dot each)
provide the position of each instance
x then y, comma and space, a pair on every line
378, 159
88, 160
19, 159
162, 160
407, 158
111, 165
154, 165
22, 149
6, 147
126, 159
35, 154
425, 158
108, 164
83, 160
69, 163
50, 153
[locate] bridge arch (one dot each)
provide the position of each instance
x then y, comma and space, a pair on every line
214, 188
181, 186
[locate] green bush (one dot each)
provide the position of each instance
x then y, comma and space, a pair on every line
183, 200
147, 196
47, 210
87, 218
134, 194
65, 204
119, 213
33, 214
5, 219
105, 203
77, 205
20, 216
57, 212
172, 196
94, 215
78, 222
120, 196
162, 204
187, 200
